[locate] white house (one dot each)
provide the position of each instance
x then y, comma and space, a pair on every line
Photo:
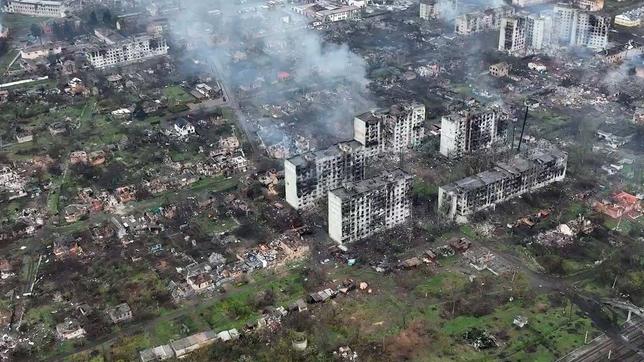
183, 128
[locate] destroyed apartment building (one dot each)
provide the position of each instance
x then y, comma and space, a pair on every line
566, 26
42, 8
308, 177
526, 172
429, 9
394, 130
484, 20
580, 28
114, 49
360, 209
324, 11
473, 129
525, 34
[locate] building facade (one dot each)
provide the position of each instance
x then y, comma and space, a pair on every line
631, 18
590, 5
525, 34
360, 209
485, 20
512, 36
395, 130
524, 3
474, 129
580, 28
126, 51
428, 9
308, 177
44, 8
522, 174
566, 26
500, 70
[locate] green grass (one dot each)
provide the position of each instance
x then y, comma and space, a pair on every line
436, 285
127, 347
177, 95
42, 315
164, 331
214, 184
214, 227
20, 24
612, 224
468, 231
6, 59
575, 209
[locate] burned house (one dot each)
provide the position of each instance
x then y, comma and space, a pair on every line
500, 70
120, 313
620, 53
473, 129
523, 173
363, 208
69, 329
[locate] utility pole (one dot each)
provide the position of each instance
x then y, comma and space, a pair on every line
525, 119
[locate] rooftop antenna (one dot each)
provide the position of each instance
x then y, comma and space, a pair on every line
525, 118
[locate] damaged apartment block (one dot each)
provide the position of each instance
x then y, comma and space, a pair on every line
395, 130
308, 177
366, 207
115, 49
473, 129
536, 168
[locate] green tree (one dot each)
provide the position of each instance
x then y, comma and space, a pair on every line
93, 19
107, 18
36, 30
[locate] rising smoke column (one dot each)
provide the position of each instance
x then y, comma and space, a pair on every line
250, 41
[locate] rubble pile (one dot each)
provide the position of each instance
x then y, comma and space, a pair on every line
565, 234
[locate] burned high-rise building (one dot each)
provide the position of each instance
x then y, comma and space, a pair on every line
580, 28
363, 208
434, 9
308, 177
567, 26
395, 130
473, 129
484, 20
525, 34
527, 172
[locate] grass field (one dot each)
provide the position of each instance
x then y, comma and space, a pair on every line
20, 24
6, 59
216, 226
393, 312
177, 95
